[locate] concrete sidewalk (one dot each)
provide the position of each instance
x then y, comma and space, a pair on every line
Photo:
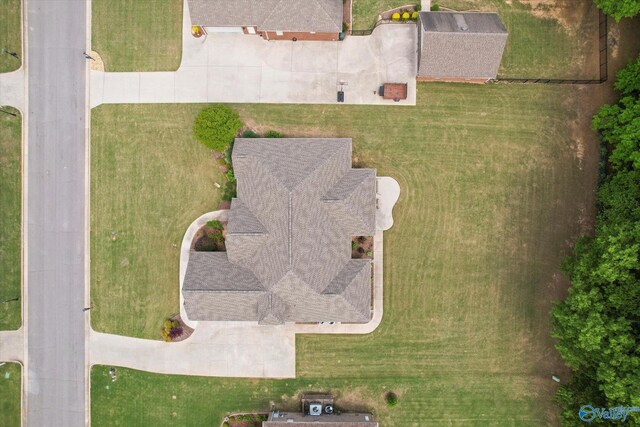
12, 346
216, 349
223, 67
12, 89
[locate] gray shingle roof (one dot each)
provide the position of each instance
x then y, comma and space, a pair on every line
460, 45
322, 16
289, 237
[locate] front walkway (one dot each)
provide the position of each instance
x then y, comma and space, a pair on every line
223, 67
12, 89
12, 346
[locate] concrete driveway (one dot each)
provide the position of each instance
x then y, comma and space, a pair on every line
223, 67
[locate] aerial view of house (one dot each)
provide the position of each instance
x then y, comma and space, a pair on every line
288, 240
319, 213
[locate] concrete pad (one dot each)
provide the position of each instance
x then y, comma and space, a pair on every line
314, 57
121, 88
191, 84
157, 87
230, 49
12, 90
12, 346
387, 194
234, 84
218, 349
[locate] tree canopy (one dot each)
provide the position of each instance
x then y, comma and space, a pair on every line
619, 9
216, 126
598, 324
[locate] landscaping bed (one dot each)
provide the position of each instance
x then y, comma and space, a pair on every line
209, 238
362, 247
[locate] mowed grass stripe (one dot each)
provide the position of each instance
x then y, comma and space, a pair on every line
10, 220
135, 35
10, 35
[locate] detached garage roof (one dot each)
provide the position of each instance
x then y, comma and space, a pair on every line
320, 16
460, 45
288, 238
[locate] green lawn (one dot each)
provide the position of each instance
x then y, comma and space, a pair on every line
149, 180
10, 200
365, 12
10, 388
10, 38
492, 194
134, 35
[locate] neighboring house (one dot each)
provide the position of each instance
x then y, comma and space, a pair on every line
454, 46
318, 411
288, 238
298, 419
271, 19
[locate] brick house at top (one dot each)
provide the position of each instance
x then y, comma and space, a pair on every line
270, 19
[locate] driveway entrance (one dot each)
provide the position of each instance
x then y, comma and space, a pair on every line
226, 67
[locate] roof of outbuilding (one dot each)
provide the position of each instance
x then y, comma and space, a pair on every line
323, 16
453, 22
289, 236
460, 45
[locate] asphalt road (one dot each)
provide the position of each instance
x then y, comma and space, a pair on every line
55, 323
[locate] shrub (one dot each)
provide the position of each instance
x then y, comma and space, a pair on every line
405, 16
392, 399
354, 245
250, 134
418, 7
414, 16
215, 224
395, 16
272, 134
229, 191
217, 126
435, 7
171, 329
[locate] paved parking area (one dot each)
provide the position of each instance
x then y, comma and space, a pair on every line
241, 68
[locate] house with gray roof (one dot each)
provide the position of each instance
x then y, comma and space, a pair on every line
288, 239
270, 19
457, 46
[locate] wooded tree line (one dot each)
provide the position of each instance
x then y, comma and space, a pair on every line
598, 325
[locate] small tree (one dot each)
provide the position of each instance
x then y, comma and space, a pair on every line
392, 399
395, 16
217, 126
273, 134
